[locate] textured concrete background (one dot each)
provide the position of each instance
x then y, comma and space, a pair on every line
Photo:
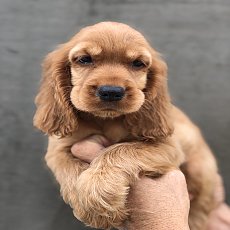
194, 37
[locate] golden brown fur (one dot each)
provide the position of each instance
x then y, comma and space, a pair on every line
149, 135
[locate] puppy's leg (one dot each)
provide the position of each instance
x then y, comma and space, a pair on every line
102, 189
66, 170
201, 172
65, 167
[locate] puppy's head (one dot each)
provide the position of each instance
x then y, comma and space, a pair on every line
108, 70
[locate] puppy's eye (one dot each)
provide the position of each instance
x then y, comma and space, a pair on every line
138, 64
85, 60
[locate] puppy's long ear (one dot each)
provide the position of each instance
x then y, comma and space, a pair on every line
152, 121
55, 113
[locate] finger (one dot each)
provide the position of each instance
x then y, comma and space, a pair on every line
89, 148
100, 140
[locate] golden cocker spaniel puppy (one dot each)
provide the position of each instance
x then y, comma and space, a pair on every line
108, 80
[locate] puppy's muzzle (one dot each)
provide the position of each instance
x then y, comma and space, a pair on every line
110, 93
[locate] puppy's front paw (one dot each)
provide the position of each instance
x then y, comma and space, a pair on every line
101, 198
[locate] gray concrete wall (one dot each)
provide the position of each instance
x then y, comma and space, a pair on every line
194, 37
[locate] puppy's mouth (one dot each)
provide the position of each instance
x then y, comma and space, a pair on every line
108, 110
110, 106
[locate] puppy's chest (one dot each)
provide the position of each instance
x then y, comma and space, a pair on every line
115, 131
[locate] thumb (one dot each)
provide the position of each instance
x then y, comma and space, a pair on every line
89, 148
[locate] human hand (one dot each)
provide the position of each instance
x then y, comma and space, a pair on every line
162, 203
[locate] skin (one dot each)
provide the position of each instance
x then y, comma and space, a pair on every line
151, 206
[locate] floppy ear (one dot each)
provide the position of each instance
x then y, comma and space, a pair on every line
55, 113
152, 121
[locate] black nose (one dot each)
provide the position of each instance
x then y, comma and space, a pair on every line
110, 93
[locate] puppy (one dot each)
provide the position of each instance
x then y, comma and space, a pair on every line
108, 80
